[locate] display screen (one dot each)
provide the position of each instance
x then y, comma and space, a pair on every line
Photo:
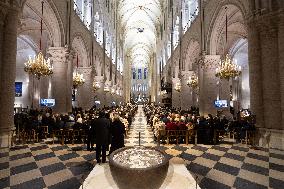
18, 89
47, 102
221, 103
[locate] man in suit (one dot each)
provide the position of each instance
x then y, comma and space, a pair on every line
102, 135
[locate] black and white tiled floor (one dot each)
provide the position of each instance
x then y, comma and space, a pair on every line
221, 166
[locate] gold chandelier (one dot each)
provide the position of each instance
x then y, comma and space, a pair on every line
96, 85
78, 80
38, 66
163, 92
112, 91
178, 87
193, 81
227, 69
106, 88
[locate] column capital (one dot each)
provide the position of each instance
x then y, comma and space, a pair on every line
85, 70
209, 61
59, 54
99, 78
186, 74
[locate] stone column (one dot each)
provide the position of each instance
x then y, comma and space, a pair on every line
255, 73
8, 41
61, 82
85, 92
176, 96
99, 94
3, 12
281, 63
270, 74
186, 91
224, 94
208, 85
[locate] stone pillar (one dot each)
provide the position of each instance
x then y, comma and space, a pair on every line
255, 73
85, 93
3, 12
186, 91
99, 94
208, 85
8, 48
176, 96
61, 82
224, 94
108, 96
281, 63
270, 74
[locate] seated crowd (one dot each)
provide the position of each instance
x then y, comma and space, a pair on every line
206, 130
77, 120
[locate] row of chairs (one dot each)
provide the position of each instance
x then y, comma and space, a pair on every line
61, 135
177, 136
69, 135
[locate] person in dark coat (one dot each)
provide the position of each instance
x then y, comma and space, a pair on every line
117, 134
102, 136
91, 133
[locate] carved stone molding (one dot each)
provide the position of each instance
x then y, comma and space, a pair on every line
85, 70
59, 54
209, 61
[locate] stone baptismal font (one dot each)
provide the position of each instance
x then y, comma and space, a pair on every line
138, 167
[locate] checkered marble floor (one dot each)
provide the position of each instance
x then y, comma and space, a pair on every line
223, 166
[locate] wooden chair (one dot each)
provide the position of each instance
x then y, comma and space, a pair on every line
31, 136
45, 131
183, 134
75, 135
162, 135
59, 134
83, 135
172, 135
69, 135
248, 138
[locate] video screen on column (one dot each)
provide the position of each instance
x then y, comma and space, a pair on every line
221, 103
47, 102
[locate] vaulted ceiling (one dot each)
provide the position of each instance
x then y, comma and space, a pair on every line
139, 21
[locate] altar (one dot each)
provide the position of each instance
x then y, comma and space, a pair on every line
178, 177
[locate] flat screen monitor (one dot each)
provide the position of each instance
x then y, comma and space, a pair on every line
47, 102
18, 89
221, 103
97, 102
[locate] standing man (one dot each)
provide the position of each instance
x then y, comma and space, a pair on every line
102, 136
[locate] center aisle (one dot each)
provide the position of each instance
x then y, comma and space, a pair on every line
140, 125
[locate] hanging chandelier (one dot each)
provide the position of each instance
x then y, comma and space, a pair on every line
112, 91
78, 80
178, 87
227, 69
163, 92
38, 65
118, 92
96, 85
193, 81
106, 88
